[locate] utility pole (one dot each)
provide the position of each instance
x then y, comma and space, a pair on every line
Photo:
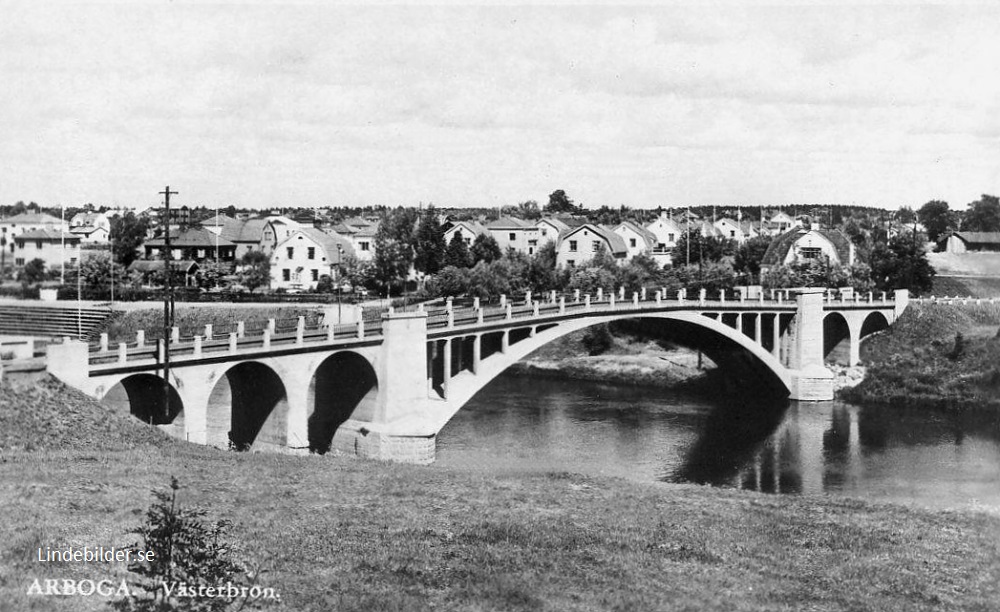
168, 299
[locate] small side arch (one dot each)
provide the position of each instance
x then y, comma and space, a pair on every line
836, 338
247, 408
142, 395
343, 385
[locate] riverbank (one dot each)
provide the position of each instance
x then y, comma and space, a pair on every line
944, 356
338, 533
623, 360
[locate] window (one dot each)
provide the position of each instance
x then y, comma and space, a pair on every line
38, 244
19, 261
596, 246
364, 245
732, 233
315, 274
286, 275
545, 232
810, 252
531, 250
311, 254
290, 251
201, 253
570, 263
631, 242
670, 238
512, 236
572, 246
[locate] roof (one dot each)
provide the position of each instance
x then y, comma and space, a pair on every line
45, 234
508, 223
326, 240
33, 219
615, 242
979, 237
647, 235
237, 230
87, 218
193, 237
473, 226
779, 247
84, 229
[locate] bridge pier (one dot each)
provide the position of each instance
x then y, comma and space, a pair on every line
810, 380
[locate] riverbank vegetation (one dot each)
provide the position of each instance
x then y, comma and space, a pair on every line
338, 533
945, 355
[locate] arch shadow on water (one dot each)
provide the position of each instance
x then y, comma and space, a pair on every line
733, 434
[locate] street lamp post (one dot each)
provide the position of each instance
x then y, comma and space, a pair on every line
340, 277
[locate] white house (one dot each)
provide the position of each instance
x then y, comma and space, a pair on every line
299, 260
30, 222
513, 233
804, 244
730, 230
577, 246
468, 230
55, 248
667, 233
781, 222
361, 233
637, 238
276, 230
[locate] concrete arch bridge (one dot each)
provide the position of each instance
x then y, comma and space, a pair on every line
385, 389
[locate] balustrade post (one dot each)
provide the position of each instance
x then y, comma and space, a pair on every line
160, 352
241, 329
659, 298
527, 297
448, 304
621, 294
122, 352
642, 295
104, 343
600, 294
451, 319
562, 305
175, 335
576, 296
701, 297
479, 316
331, 333
681, 294
267, 338
233, 341
509, 314
300, 331
271, 325
781, 297
197, 346
208, 331
635, 299
503, 300
870, 296
534, 309
361, 329
611, 300
883, 297
722, 296
475, 303
586, 302
552, 296
140, 338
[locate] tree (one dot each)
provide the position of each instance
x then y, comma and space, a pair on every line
458, 254
702, 248
749, 255
902, 264
96, 272
905, 215
936, 219
983, 215
255, 270
429, 246
33, 272
127, 234
485, 248
394, 246
559, 203
529, 210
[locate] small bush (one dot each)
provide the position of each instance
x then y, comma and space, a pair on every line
597, 340
959, 348
187, 552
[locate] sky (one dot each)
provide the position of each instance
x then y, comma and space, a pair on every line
268, 104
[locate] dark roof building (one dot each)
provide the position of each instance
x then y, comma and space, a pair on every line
803, 243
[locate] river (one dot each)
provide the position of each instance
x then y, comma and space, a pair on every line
924, 458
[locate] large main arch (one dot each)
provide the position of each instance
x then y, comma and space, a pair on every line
247, 408
730, 348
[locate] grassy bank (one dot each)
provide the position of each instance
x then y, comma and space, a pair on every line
920, 361
343, 534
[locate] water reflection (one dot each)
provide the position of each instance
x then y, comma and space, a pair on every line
931, 458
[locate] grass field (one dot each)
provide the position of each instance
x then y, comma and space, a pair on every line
342, 534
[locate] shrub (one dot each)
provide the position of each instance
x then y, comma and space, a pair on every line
597, 339
186, 551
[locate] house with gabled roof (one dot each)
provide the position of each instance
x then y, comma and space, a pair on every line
730, 229
637, 238
804, 243
194, 243
579, 245
667, 232
514, 233
964, 242
468, 230
53, 247
305, 256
